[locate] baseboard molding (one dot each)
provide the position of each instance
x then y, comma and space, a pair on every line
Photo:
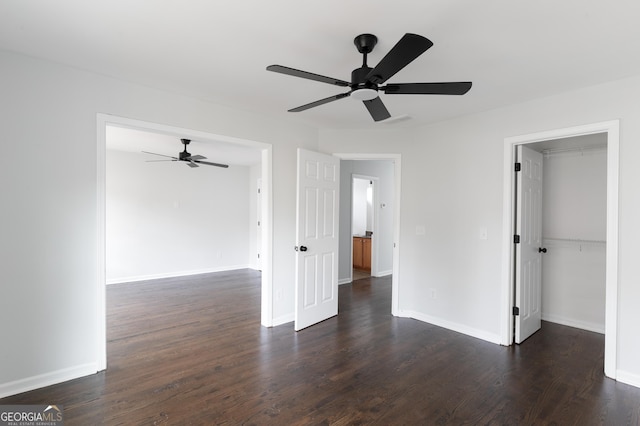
628, 378
344, 281
384, 273
596, 328
174, 274
283, 319
47, 379
459, 328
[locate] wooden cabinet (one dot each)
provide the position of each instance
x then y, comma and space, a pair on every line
362, 253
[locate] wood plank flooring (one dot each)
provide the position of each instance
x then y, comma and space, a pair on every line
191, 351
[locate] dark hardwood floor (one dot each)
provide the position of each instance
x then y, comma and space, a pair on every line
192, 351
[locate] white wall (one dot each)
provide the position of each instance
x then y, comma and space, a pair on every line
452, 184
48, 247
574, 229
167, 219
360, 209
384, 171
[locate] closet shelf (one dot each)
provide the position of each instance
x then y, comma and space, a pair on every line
573, 240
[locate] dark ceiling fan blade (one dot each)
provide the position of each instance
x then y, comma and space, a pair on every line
320, 102
162, 155
196, 157
308, 75
402, 54
377, 109
452, 88
191, 164
155, 161
208, 163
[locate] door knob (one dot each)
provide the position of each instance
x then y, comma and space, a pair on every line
304, 248
542, 250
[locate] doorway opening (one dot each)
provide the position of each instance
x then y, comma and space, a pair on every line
263, 151
364, 221
385, 201
551, 139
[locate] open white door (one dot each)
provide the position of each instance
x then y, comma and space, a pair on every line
528, 264
317, 238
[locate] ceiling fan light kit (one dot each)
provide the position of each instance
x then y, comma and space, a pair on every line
364, 94
366, 82
191, 160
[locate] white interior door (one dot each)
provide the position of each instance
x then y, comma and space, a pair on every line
316, 296
528, 279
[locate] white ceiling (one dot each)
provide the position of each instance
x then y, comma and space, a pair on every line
133, 140
217, 50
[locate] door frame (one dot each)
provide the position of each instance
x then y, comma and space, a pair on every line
395, 274
374, 239
102, 121
612, 130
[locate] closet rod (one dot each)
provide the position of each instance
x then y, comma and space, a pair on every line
575, 148
574, 240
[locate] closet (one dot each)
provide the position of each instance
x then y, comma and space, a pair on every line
574, 234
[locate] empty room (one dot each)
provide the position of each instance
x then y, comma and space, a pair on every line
143, 282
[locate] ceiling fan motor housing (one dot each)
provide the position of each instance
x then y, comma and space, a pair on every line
184, 155
359, 78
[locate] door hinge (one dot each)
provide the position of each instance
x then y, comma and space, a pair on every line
518, 167
258, 223
516, 310
516, 239
258, 190
258, 255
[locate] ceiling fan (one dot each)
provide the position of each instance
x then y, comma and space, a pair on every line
191, 160
366, 82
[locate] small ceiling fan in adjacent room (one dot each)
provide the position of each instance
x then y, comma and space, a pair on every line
366, 82
191, 160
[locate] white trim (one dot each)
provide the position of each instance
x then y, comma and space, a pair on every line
583, 325
453, 326
345, 281
628, 378
266, 309
137, 278
384, 273
267, 215
47, 379
101, 220
611, 304
397, 174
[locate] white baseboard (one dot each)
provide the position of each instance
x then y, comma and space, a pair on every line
344, 281
47, 379
283, 319
628, 378
459, 328
596, 328
131, 279
384, 273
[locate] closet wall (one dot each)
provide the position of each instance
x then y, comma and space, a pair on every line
574, 233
